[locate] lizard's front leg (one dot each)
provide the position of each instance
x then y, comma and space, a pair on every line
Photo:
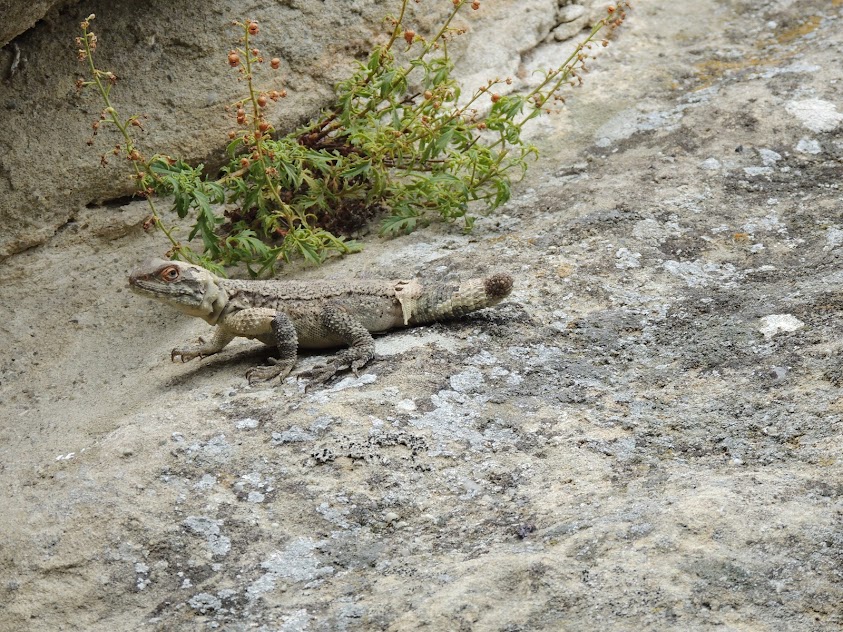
222, 336
361, 345
287, 342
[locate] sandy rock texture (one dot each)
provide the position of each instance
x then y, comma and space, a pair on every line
645, 436
19, 16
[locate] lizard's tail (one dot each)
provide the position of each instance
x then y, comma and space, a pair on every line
440, 301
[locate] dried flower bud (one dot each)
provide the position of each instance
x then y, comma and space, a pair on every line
244, 163
409, 36
428, 95
475, 5
275, 63
134, 155
232, 135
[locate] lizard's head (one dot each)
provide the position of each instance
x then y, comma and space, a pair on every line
189, 288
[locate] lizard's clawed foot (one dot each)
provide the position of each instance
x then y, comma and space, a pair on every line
319, 374
274, 369
185, 354
200, 349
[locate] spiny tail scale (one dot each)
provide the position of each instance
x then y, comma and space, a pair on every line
441, 301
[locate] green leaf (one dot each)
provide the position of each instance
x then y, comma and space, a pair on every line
398, 224
361, 168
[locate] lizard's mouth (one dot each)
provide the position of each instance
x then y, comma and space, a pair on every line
172, 293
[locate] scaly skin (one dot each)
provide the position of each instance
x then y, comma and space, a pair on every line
307, 314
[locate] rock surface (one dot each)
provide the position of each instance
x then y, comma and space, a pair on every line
646, 435
21, 15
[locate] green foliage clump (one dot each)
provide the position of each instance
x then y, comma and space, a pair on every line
399, 143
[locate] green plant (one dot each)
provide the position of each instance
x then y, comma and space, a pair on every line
399, 142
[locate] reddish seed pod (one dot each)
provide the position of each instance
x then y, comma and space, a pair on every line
255, 52
263, 126
428, 95
233, 59
262, 101
253, 28
232, 135
496, 97
244, 162
409, 36
275, 63
475, 5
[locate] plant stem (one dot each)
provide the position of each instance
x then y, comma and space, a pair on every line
130, 145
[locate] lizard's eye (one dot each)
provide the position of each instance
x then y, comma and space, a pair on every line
170, 273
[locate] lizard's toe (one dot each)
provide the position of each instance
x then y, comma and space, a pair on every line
264, 373
317, 375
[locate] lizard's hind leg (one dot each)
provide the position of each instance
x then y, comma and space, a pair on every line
361, 345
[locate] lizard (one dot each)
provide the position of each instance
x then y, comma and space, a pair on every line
293, 314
